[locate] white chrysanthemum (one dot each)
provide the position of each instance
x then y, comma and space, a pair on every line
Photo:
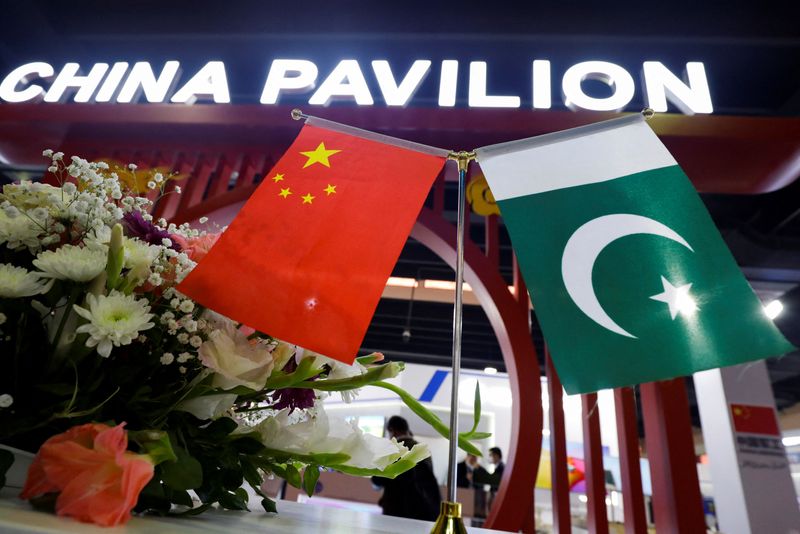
16, 282
19, 231
69, 262
115, 319
6, 400
139, 254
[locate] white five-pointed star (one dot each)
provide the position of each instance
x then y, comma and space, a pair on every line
677, 298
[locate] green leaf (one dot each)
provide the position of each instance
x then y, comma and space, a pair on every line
153, 498
429, 417
234, 501
6, 461
247, 445
305, 370
154, 443
263, 459
369, 359
293, 476
181, 497
310, 477
184, 474
476, 408
116, 257
220, 428
476, 436
251, 474
196, 511
269, 505
372, 376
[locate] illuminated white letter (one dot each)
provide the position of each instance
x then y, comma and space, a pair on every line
111, 82
304, 77
68, 78
399, 95
24, 74
448, 83
345, 80
690, 97
541, 84
477, 90
612, 75
210, 81
142, 80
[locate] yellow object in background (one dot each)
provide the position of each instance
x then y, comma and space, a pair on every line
480, 197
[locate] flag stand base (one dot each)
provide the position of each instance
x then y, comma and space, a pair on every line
449, 520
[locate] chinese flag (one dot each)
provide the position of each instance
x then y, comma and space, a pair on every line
307, 257
750, 419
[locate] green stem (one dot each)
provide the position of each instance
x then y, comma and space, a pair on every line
75, 292
429, 417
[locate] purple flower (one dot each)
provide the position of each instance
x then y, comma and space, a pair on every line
148, 232
294, 398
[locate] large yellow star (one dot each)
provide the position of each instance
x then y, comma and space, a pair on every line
319, 155
277, 178
308, 198
284, 192
330, 189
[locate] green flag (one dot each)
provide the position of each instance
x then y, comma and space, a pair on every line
630, 279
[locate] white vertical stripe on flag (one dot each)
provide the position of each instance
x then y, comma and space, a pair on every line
585, 155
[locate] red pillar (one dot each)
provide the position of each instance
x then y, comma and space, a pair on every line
558, 452
596, 517
677, 504
628, 438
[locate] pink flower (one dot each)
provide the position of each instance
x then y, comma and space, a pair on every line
196, 247
97, 479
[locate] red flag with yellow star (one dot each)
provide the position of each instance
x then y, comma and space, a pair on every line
307, 257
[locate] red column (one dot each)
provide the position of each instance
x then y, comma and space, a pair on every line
677, 504
596, 517
628, 438
558, 452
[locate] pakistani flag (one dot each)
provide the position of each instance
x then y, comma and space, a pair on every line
630, 279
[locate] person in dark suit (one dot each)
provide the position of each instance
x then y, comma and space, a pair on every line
482, 476
415, 493
464, 471
465, 479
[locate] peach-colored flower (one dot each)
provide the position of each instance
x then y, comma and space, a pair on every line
98, 480
197, 247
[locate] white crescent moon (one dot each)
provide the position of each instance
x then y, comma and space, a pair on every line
586, 244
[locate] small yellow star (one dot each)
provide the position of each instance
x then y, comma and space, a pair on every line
277, 178
330, 189
319, 155
284, 193
308, 198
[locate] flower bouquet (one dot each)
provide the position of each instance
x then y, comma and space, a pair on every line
134, 397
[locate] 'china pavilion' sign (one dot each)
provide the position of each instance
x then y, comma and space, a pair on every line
139, 82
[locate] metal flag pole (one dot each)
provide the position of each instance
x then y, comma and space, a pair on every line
449, 520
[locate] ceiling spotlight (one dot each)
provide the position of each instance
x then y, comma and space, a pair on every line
773, 309
791, 441
490, 371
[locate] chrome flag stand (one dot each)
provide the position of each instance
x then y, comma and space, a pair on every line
449, 520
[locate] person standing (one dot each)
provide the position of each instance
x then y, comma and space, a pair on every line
464, 471
482, 476
465, 479
415, 493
